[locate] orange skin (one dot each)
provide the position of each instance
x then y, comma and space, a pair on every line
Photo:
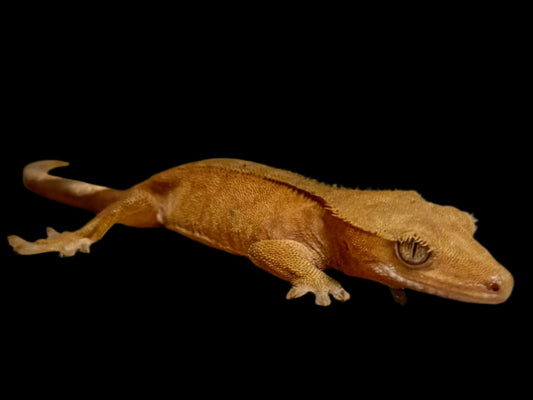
290, 226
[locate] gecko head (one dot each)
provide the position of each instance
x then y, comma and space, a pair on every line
430, 248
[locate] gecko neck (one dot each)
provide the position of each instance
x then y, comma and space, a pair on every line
348, 249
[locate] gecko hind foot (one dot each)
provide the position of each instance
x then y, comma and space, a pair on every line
66, 243
321, 293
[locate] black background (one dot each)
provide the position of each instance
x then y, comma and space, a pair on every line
123, 95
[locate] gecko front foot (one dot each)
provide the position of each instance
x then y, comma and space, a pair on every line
321, 292
298, 264
66, 243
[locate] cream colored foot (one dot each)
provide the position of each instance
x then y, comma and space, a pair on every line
321, 291
295, 262
66, 243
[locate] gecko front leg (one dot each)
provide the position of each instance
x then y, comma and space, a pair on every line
295, 262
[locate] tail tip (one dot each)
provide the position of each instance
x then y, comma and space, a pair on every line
45, 165
39, 169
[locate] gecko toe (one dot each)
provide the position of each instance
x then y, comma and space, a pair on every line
51, 233
340, 294
297, 291
22, 246
322, 299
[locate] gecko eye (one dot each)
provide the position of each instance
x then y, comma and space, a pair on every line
413, 252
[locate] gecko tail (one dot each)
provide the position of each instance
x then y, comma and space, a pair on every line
74, 193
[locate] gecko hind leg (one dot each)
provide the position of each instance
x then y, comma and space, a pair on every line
135, 210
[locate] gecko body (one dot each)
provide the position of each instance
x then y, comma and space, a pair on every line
291, 226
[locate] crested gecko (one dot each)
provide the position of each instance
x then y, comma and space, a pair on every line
291, 226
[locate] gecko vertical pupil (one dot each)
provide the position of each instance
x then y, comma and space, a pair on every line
413, 252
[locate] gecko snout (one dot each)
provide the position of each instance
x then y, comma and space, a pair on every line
500, 286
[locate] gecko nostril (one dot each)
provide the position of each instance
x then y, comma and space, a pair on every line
499, 287
494, 286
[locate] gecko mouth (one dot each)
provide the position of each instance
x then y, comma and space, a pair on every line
496, 291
